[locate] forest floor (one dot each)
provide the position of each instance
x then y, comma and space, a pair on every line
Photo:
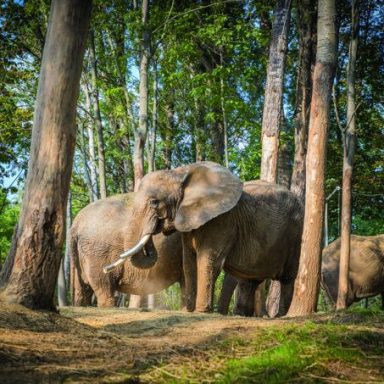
92, 345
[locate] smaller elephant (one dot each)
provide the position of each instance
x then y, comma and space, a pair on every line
98, 236
366, 269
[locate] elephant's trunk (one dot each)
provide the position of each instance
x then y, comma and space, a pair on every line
137, 248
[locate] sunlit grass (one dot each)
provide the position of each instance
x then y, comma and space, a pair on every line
305, 352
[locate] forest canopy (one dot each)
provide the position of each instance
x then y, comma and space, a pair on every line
206, 75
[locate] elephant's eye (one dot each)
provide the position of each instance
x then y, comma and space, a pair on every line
153, 203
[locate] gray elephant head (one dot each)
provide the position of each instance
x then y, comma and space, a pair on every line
182, 200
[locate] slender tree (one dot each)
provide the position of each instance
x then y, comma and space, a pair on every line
40, 232
306, 25
273, 109
141, 131
349, 143
274, 91
307, 282
64, 278
97, 118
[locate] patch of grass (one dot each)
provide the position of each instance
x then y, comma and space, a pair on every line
304, 352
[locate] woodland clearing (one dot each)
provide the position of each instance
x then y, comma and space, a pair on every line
96, 345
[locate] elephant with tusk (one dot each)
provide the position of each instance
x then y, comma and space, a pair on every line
366, 268
252, 231
99, 234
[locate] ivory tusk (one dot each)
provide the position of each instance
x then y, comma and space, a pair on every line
139, 246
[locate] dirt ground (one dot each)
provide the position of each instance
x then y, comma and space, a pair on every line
91, 345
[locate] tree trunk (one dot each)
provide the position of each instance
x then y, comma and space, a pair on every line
349, 143
306, 15
225, 125
274, 91
141, 132
307, 282
169, 133
91, 164
37, 243
199, 132
99, 124
152, 141
284, 157
63, 278
87, 173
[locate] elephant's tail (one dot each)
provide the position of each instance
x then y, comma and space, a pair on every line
81, 292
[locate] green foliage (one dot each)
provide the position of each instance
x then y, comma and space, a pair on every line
9, 214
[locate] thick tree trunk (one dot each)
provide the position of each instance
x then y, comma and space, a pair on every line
99, 124
40, 234
349, 143
274, 91
306, 24
307, 282
141, 131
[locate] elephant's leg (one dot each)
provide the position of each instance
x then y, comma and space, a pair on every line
260, 305
183, 303
245, 298
229, 285
207, 272
285, 296
190, 274
82, 292
104, 289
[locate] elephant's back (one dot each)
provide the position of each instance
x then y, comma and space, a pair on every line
104, 216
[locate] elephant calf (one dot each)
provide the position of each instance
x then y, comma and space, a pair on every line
98, 236
366, 270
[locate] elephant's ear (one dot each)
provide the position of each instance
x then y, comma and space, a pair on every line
209, 190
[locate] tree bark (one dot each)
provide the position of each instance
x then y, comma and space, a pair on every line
349, 143
169, 132
141, 131
91, 164
225, 125
307, 282
152, 141
64, 271
306, 24
99, 124
274, 91
40, 233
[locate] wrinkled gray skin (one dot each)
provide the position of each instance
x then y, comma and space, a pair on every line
366, 270
99, 235
254, 233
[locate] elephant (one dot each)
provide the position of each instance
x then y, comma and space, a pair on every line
366, 268
98, 235
252, 231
